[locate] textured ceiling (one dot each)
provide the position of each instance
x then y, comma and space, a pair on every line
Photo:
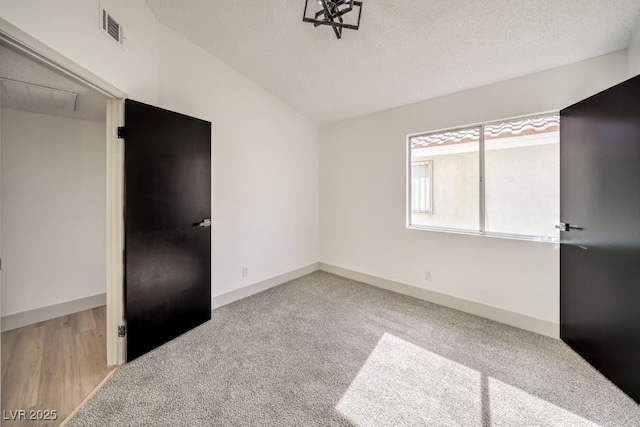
405, 50
89, 105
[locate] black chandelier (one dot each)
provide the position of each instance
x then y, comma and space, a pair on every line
333, 14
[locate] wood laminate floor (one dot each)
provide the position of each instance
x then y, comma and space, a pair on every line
52, 366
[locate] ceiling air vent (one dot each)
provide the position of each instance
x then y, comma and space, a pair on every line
110, 26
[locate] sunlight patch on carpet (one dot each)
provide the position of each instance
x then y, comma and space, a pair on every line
404, 384
512, 406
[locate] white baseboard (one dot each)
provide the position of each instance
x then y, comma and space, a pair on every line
254, 288
518, 320
532, 324
29, 317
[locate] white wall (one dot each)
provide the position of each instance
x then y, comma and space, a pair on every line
363, 195
634, 56
265, 166
265, 155
53, 210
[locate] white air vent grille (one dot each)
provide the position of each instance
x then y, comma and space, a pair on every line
111, 27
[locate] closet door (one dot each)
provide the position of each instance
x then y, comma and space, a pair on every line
167, 225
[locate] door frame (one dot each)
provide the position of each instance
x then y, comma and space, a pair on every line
116, 350
41, 53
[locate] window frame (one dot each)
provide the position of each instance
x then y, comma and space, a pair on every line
428, 187
481, 231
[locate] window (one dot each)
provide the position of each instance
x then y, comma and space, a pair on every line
454, 191
421, 187
497, 178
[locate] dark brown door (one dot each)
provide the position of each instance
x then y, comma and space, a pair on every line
600, 257
167, 233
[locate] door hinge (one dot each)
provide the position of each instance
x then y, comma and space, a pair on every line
121, 331
122, 132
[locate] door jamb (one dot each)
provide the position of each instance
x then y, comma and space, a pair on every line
116, 350
41, 53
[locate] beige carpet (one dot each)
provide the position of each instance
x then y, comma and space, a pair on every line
323, 350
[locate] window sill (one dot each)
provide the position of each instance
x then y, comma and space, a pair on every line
541, 239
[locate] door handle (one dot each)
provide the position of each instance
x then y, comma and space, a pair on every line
567, 227
204, 224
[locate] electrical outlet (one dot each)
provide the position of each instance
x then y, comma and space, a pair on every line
427, 275
245, 271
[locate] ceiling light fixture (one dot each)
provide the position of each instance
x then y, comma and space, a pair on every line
333, 14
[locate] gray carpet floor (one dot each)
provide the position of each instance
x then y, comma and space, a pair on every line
327, 351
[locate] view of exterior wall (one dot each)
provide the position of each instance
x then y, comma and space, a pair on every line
455, 198
522, 190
